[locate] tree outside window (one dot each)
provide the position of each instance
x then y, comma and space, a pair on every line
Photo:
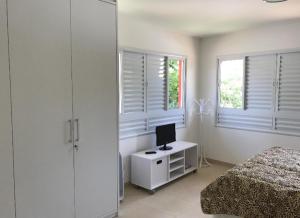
175, 75
231, 83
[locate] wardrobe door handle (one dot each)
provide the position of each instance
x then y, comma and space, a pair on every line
71, 131
76, 147
77, 130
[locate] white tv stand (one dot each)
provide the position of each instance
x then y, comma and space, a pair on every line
153, 170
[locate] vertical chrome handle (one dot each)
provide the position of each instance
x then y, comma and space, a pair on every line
77, 130
71, 131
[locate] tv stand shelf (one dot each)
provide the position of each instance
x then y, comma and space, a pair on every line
151, 171
176, 159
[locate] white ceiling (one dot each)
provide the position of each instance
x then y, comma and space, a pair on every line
207, 17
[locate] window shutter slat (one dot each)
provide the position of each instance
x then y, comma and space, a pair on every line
260, 71
156, 78
133, 81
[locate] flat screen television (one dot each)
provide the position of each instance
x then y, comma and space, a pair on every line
165, 134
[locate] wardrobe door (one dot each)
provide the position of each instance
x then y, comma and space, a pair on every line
42, 105
6, 154
95, 106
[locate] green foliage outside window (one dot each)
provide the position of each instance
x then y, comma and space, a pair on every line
173, 83
231, 95
231, 87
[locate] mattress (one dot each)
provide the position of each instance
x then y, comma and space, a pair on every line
267, 185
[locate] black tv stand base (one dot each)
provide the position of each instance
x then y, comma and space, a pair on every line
165, 148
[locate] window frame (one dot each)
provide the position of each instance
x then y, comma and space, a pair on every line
149, 115
274, 113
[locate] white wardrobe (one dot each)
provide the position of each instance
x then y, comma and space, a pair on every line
7, 204
59, 133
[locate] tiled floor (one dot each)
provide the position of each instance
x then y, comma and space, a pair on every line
180, 199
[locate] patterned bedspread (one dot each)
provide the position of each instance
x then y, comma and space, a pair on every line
267, 185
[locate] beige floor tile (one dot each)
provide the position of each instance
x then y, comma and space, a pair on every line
179, 199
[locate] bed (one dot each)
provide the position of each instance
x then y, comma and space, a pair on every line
267, 185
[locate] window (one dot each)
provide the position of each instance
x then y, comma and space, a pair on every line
231, 83
151, 92
260, 92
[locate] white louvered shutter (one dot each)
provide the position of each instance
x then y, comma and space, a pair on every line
287, 125
245, 121
133, 82
289, 83
157, 82
167, 118
288, 103
133, 119
132, 125
260, 72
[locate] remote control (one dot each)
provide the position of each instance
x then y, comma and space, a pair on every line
150, 152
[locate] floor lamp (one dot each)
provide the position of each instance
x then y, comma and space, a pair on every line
204, 111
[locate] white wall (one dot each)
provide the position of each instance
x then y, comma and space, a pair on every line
230, 145
138, 34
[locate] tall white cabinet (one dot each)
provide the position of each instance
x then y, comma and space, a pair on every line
63, 140
95, 107
40, 56
6, 154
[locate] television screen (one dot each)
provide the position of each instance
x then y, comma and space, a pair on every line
165, 134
